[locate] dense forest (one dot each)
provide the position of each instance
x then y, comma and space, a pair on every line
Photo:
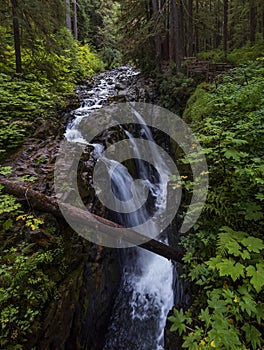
205, 61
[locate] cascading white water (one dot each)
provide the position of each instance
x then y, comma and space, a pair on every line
146, 294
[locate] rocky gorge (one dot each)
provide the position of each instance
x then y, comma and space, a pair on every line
79, 317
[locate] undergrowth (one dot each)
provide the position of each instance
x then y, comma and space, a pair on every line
224, 252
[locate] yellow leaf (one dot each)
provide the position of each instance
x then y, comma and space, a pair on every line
213, 344
202, 342
21, 217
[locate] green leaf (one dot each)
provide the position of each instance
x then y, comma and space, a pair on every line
228, 267
214, 302
253, 244
5, 170
253, 336
178, 321
234, 154
233, 248
260, 312
8, 224
257, 275
260, 196
248, 304
205, 317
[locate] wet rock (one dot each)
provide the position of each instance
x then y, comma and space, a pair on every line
79, 317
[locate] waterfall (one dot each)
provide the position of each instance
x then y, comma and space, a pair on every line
146, 291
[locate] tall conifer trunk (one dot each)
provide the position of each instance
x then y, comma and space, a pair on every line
155, 11
225, 33
68, 15
17, 42
252, 21
190, 34
197, 46
75, 20
175, 37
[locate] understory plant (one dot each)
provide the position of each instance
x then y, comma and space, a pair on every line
29, 253
224, 251
51, 70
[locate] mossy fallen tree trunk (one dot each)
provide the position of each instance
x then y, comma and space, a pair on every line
40, 201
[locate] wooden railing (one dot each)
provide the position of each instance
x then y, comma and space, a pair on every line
205, 68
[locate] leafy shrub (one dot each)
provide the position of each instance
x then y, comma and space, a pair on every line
24, 289
64, 64
21, 102
212, 55
7, 52
246, 53
88, 62
51, 67
26, 281
224, 253
111, 56
174, 90
237, 56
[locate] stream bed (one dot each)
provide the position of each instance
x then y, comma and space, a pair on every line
146, 292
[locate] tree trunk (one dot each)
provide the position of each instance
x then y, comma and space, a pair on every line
175, 37
262, 13
17, 42
171, 33
178, 46
75, 20
155, 10
98, 224
252, 21
190, 31
165, 35
68, 15
225, 28
182, 30
218, 26
197, 46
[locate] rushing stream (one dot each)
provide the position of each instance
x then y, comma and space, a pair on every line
146, 291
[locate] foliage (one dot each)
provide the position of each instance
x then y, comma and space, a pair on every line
224, 253
175, 90
7, 53
26, 279
246, 53
137, 33
88, 64
24, 290
8, 204
108, 34
60, 66
47, 74
237, 56
216, 55
21, 102
150, 30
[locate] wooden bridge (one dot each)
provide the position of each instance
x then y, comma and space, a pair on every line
206, 68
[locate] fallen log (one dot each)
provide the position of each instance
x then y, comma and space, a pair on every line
39, 201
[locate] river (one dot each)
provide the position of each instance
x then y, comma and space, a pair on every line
146, 291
